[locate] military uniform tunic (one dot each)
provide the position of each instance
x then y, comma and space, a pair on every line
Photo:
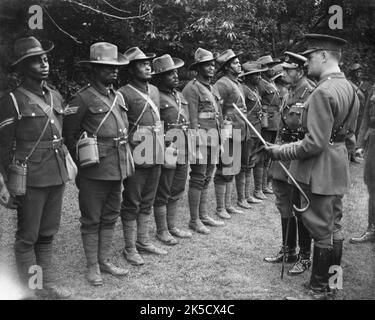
100, 184
40, 209
204, 103
173, 112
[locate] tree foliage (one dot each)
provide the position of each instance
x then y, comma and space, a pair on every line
179, 27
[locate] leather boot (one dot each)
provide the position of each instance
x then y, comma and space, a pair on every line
90, 243
171, 221
143, 240
258, 182
105, 254
203, 211
43, 254
220, 201
322, 259
367, 236
290, 248
337, 252
266, 185
24, 255
162, 232
194, 196
228, 199
240, 186
130, 235
248, 196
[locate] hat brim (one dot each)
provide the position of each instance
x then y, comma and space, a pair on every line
231, 58
148, 56
47, 46
308, 51
178, 63
287, 65
195, 64
121, 61
252, 72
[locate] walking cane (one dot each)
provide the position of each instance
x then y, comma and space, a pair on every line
300, 210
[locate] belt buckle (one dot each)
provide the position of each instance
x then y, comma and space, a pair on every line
55, 143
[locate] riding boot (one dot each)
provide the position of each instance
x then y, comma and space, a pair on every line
337, 251
258, 182
90, 242
171, 221
203, 211
367, 236
266, 185
249, 198
228, 199
194, 197
130, 235
24, 255
220, 201
162, 232
105, 254
240, 186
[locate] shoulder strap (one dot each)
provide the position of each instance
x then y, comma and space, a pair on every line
106, 115
210, 95
43, 131
15, 105
148, 99
139, 118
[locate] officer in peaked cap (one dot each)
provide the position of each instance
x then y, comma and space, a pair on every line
100, 112
290, 130
321, 166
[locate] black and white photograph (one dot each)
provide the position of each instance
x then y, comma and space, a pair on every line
187, 155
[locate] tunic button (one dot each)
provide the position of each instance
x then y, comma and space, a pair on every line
56, 150
54, 136
33, 114
100, 110
52, 121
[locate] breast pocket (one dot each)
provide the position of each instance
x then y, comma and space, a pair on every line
97, 113
33, 120
205, 104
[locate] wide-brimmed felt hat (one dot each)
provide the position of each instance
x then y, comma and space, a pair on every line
136, 54
29, 47
268, 61
166, 63
201, 55
316, 42
226, 56
252, 67
293, 60
105, 53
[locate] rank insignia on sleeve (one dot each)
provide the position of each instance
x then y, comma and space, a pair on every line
6, 122
70, 110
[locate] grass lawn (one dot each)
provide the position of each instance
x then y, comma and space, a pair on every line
227, 264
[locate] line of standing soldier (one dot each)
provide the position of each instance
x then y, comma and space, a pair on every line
112, 187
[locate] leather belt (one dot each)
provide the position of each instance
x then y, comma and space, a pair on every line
52, 144
207, 115
112, 142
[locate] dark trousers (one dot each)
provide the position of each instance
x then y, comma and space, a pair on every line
139, 192
171, 185
286, 195
38, 215
99, 202
201, 174
322, 218
371, 204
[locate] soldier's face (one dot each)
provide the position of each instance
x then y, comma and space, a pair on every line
107, 74
170, 79
292, 76
235, 67
207, 69
141, 70
254, 78
36, 67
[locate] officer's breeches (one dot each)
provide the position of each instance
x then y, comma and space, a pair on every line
139, 192
99, 202
284, 197
322, 218
39, 214
171, 185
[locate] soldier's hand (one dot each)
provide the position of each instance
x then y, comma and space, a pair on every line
273, 150
4, 195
